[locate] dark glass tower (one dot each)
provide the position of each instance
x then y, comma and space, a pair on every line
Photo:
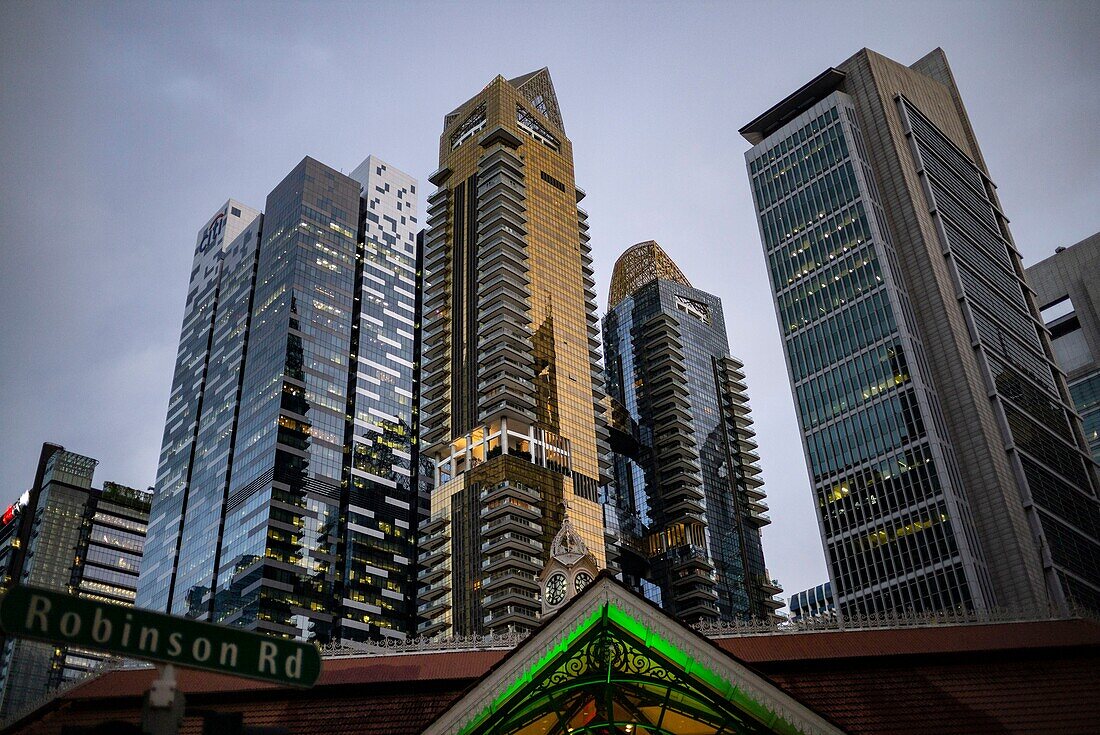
67, 536
689, 495
286, 500
948, 465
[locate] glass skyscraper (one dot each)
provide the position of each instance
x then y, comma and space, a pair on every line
947, 465
287, 499
689, 496
511, 389
67, 536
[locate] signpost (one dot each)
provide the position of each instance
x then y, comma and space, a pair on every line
124, 631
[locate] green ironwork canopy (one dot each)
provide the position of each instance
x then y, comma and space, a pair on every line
613, 665
607, 681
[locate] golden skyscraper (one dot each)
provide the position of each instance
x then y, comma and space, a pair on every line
511, 387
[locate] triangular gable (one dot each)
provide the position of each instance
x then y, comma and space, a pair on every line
612, 662
538, 89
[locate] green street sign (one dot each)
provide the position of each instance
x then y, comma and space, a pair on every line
125, 631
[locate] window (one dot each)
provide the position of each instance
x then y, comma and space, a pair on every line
552, 181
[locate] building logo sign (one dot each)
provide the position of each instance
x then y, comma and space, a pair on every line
14, 509
211, 236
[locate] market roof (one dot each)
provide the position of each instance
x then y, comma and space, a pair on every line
1018, 676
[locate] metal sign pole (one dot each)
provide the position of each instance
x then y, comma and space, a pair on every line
162, 712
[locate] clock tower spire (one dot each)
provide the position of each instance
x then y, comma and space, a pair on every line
570, 568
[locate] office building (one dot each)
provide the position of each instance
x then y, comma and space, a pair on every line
287, 498
947, 464
67, 536
511, 385
1067, 288
814, 603
687, 484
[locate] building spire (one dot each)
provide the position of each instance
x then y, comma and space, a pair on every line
538, 89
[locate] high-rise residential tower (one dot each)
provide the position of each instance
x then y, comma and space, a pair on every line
1067, 287
68, 536
511, 385
287, 497
688, 488
947, 464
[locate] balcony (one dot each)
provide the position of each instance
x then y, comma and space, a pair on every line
671, 466
433, 574
510, 489
758, 506
688, 558
519, 507
759, 520
518, 282
511, 522
504, 259
514, 577
770, 586
753, 492
436, 522
513, 350
431, 627
697, 608
510, 408
510, 595
432, 608
433, 591
503, 293
507, 381
433, 540
513, 614
701, 590
513, 541
512, 560
506, 333
433, 556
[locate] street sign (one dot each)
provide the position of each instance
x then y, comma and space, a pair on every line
125, 631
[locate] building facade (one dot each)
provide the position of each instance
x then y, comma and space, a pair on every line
947, 464
816, 602
66, 535
511, 384
689, 496
1067, 287
287, 497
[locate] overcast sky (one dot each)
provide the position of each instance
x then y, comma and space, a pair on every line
123, 127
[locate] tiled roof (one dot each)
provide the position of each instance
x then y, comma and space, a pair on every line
913, 640
1027, 677
428, 667
1053, 692
1023, 677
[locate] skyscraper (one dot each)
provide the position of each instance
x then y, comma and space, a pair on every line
688, 487
1067, 288
947, 466
286, 499
511, 385
66, 536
